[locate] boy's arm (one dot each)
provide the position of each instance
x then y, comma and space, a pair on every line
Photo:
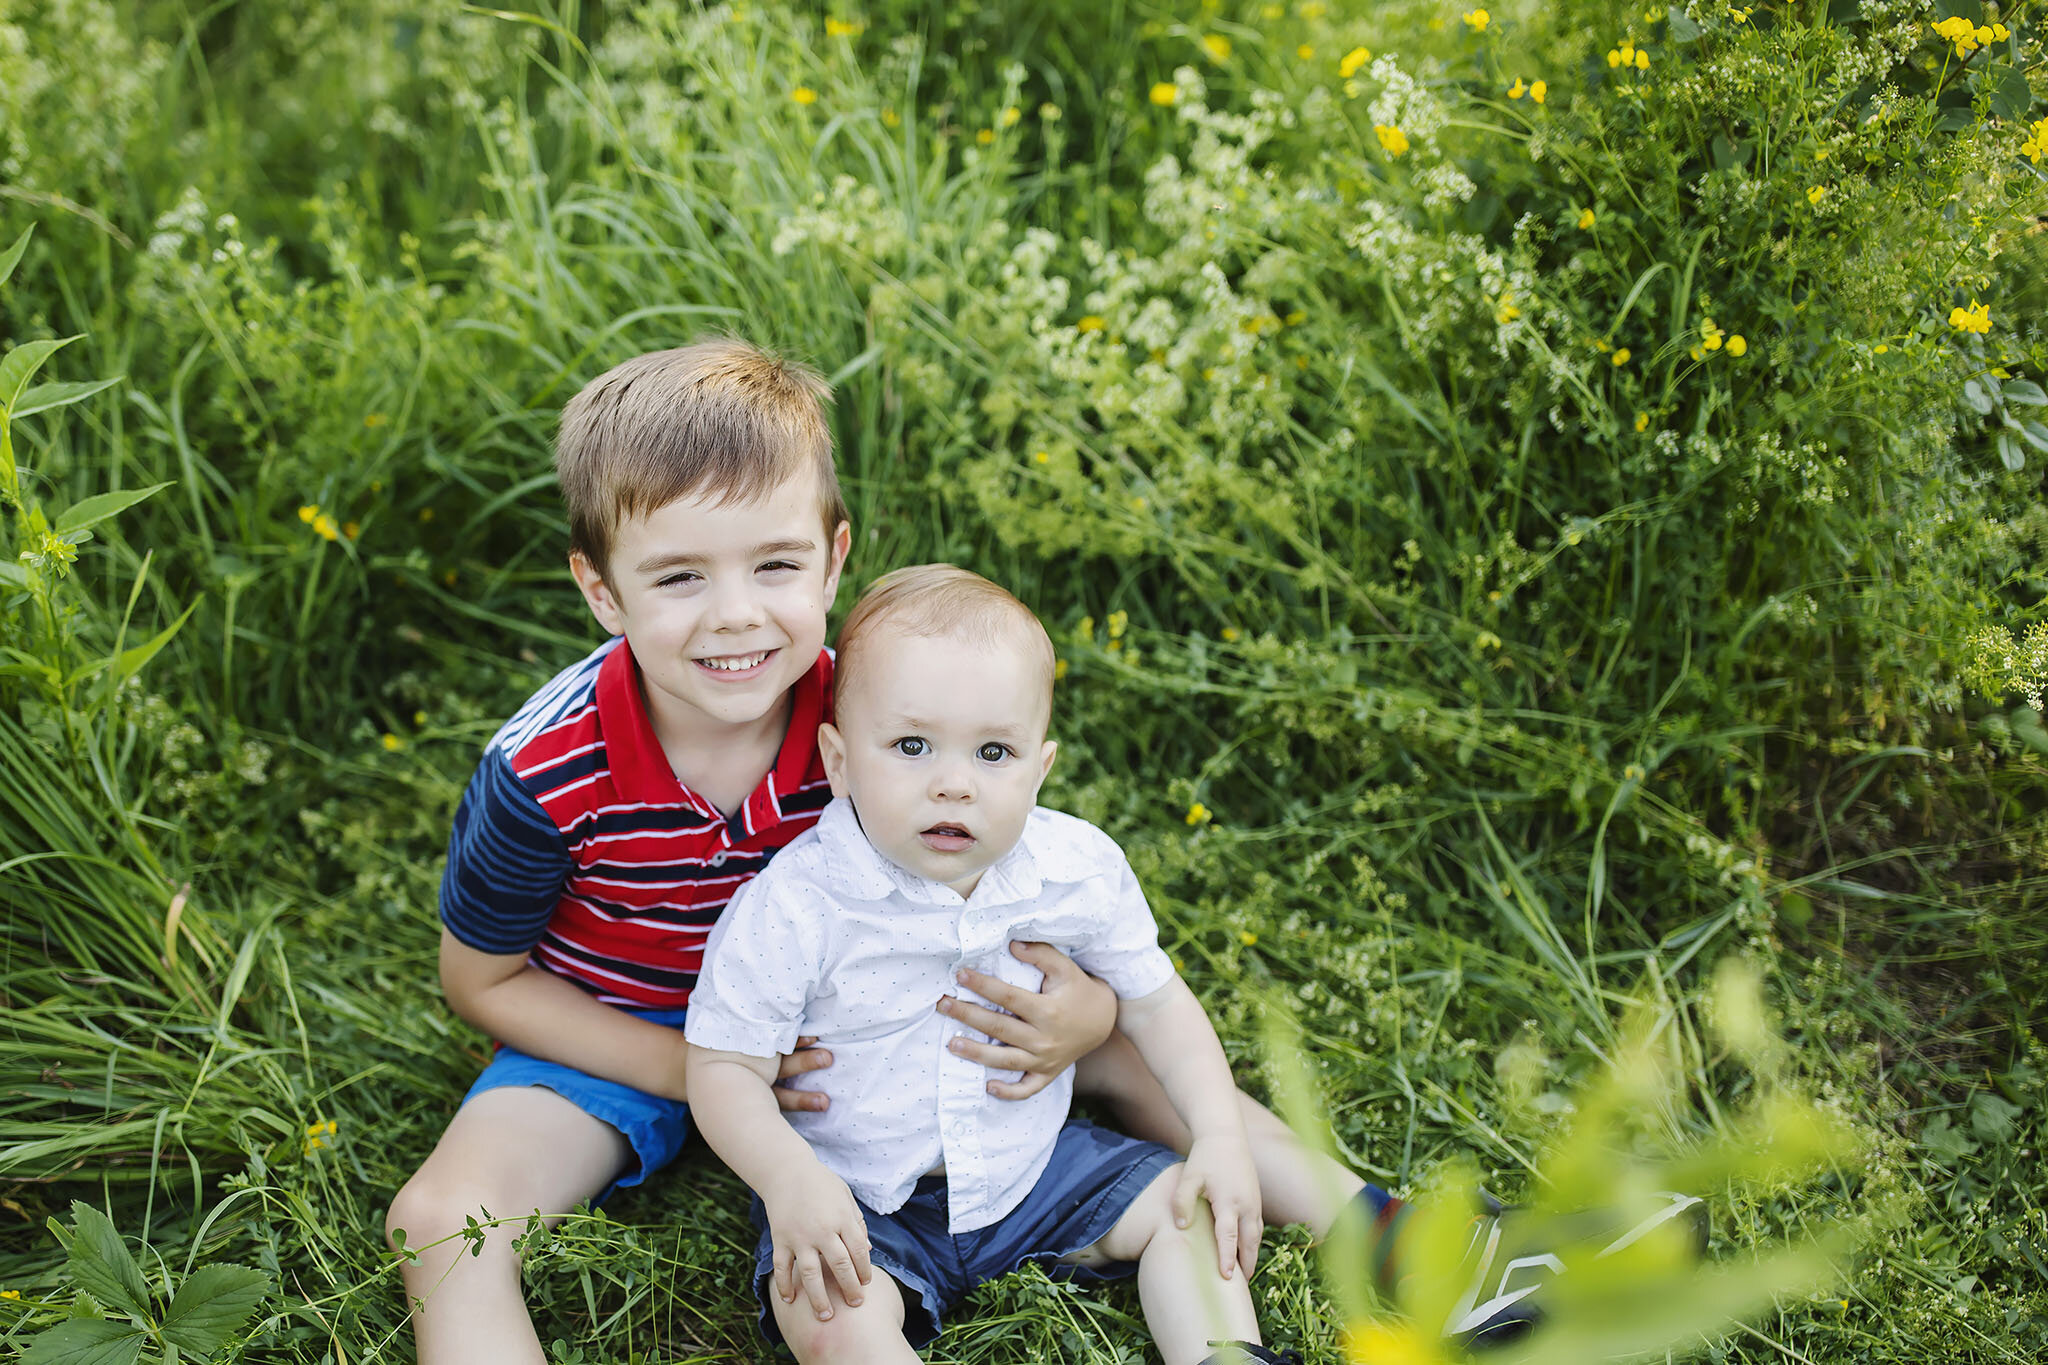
542, 1014
813, 1220
1174, 1036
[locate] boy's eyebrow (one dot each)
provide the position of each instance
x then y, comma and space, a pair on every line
680, 559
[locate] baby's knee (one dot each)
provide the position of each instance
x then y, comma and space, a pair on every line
851, 1336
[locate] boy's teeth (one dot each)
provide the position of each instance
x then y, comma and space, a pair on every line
737, 663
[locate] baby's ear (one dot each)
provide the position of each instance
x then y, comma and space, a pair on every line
1046, 754
832, 749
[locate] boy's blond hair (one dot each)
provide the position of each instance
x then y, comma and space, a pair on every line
719, 415
945, 601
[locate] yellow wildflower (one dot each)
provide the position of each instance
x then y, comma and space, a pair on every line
1304, 52
1999, 33
1586, 219
1613, 57
1620, 356
1087, 628
1976, 318
1247, 937
1539, 91
374, 419
1348, 64
1092, 323
1880, 350
1049, 111
1642, 60
1486, 639
1119, 621
1477, 20
392, 743
1816, 194
324, 527
1633, 772
1217, 46
1642, 421
1165, 93
2035, 147
308, 512
842, 28
10, 1293
1229, 634
985, 136
419, 718
1375, 1343
1737, 346
1272, 12
426, 514
1602, 345
1697, 354
1710, 335
1198, 814
1517, 90
890, 118
1059, 669
1392, 140
351, 529
1010, 116
803, 94
1296, 318
1041, 457
1507, 312
1314, 10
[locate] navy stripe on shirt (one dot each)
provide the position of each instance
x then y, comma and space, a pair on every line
506, 864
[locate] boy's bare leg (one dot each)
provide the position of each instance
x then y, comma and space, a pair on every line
1297, 1183
512, 1150
872, 1332
1187, 1303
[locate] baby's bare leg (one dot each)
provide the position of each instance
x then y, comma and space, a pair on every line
1187, 1303
1297, 1183
512, 1151
872, 1332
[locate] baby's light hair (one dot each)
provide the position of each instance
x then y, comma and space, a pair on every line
940, 601
720, 416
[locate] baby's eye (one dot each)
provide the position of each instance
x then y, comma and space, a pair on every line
992, 752
910, 746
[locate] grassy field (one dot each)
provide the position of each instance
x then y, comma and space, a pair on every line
1539, 509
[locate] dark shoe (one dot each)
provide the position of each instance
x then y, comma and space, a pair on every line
1510, 1262
1250, 1352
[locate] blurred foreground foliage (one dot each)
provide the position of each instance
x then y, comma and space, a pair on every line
1510, 547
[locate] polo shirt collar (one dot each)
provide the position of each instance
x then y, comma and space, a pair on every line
639, 766
851, 864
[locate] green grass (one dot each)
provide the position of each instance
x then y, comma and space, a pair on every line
1514, 718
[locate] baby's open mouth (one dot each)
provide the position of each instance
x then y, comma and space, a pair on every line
947, 838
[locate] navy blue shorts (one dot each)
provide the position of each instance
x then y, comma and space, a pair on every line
652, 1126
1094, 1175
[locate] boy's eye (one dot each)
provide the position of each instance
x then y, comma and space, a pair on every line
992, 752
672, 580
910, 746
779, 566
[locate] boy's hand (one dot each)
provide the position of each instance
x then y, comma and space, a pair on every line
1221, 1168
806, 1058
1047, 1030
818, 1231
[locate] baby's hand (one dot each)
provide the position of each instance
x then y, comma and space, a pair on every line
1221, 1168
818, 1230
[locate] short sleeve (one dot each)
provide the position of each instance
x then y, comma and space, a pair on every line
1126, 953
761, 963
507, 864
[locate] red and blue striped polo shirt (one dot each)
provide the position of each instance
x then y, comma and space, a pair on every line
575, 842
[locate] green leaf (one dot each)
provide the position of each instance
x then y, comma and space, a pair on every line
1977, 396
1991, 1117
2036, 434
2009, 452
131, 661
1946, 1143
97, 508
20, 366
43, 397
12, 574
1680, 25
12, 256
2025, 391
85, 1341
2005, 87
101, 1265
212, 1305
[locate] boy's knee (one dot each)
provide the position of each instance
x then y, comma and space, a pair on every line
430, 1208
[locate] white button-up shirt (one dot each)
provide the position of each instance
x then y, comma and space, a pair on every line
833, 939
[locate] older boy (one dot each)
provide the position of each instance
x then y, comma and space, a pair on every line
931, 857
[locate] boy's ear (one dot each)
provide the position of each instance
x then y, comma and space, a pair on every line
842, 544
597, 594
832, 749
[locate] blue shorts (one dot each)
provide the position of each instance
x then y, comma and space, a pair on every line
1094, 1175
652, 1126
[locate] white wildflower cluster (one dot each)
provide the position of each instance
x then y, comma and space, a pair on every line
1405, 103
75, 80
1730, 865
2001, 663
1444, 185
852, 219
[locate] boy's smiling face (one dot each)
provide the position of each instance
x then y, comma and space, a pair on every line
941, 748
724, 603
